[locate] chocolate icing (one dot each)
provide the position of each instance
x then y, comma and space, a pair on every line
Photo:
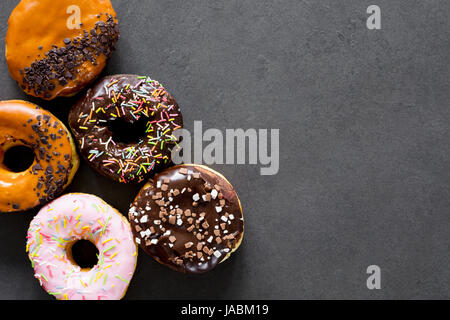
187, 217
133, 99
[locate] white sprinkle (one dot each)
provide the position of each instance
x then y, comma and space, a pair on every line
134, 212
138, 241
217, 254
184, 189
219, 209
231, 217
154, 241
157, 222
223, 218
158, 184
196, 197
214, 193
210, 239
144, 219
179, 222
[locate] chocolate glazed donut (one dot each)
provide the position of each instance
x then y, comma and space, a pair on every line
188, 218
124, 127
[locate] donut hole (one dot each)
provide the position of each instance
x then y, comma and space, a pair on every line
126, 132
83, 253
18, 158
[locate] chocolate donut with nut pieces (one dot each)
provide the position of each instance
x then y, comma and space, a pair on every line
125, 127
56, 48
188, 217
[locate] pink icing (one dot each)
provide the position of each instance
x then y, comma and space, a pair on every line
81, 216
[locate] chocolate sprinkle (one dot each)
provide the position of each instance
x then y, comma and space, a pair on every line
61, 63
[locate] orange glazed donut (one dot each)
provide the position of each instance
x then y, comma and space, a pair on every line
56, 48
55, 161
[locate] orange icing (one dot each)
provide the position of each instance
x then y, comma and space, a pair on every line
21, 188
36, 23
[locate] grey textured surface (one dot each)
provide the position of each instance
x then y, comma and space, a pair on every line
364, 166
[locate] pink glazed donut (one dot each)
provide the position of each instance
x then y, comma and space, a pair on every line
65, 221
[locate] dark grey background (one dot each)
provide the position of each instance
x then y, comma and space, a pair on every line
364, 143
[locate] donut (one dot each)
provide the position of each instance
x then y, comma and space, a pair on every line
188, 217
56, 48
50, 143
124, 127
56, 229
